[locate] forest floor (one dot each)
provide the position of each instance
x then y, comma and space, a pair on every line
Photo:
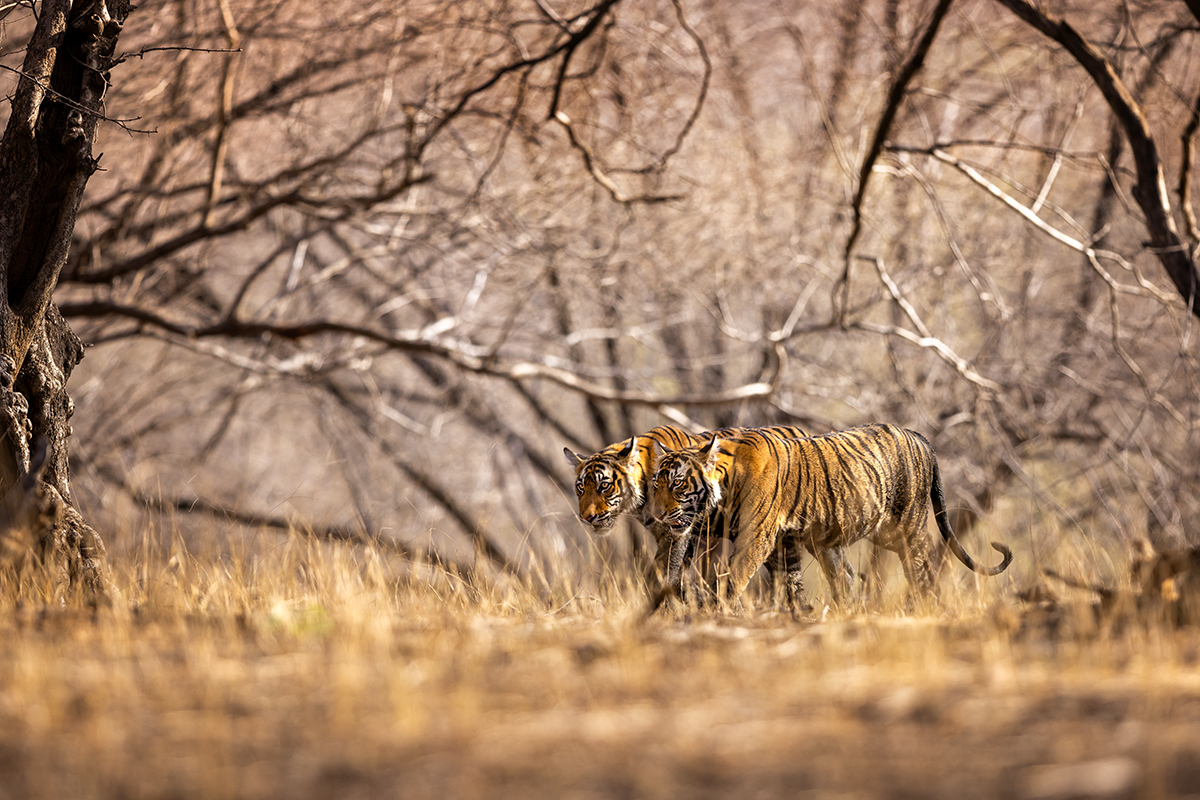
316, 673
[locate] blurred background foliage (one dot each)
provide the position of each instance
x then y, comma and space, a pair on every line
370, 273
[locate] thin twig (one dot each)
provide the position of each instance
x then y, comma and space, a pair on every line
142, 53
1056, 165
983, 293
661, 160
597, 173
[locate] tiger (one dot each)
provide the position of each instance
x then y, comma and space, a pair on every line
823, 492
615, 481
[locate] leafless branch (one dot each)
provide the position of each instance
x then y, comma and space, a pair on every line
199, 505
1056, 165
597, 173
1144, 288
1150, 190
141, 53
922, 338
1187, 160
461, 354
810, 77
224, 110
986, 294
472, 527
552, 15
594, 16
1093, 257
909, 310
251, 519
662, 158
891, 107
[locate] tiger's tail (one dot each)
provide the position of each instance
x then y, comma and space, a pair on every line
937, 495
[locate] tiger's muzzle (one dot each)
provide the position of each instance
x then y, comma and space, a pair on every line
601, 524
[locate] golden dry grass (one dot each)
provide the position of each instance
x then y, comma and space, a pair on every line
313, 671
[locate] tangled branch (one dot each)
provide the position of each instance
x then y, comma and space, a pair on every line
463, 355
1150, 191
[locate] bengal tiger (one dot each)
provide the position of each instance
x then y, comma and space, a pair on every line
615, 481
822, 492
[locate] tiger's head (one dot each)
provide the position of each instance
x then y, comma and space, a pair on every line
605, 484
686, 486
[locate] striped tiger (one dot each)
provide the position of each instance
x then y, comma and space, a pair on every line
615, 481
825, 492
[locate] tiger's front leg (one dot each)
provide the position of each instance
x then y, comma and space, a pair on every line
656, 575
668, 563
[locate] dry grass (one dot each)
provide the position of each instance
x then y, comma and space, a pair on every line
311, 671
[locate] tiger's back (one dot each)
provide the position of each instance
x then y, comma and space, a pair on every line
826, 491
837, 488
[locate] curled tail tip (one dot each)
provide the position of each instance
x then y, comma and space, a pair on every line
1008, 557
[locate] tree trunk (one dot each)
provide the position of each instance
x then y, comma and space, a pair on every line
45, 162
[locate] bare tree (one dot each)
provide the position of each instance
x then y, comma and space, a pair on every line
45, 163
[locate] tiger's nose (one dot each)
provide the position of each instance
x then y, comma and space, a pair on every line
588, 518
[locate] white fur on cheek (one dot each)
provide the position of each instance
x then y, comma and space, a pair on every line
714, 491
634, 490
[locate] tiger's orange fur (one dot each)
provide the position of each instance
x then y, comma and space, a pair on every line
822, 492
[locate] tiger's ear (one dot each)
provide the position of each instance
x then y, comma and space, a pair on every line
710, 452
656, 453
574, 459
633, 460
627, 448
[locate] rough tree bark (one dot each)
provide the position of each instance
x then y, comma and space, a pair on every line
45, 163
